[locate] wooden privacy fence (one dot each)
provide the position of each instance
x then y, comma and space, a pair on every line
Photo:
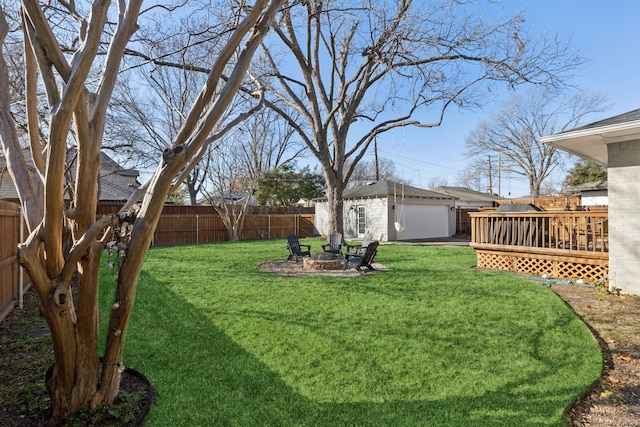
186, 225
192, 225
548, 203
183, 229
11, 279
463, 220
567, 244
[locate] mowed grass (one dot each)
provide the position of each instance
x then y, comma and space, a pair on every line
429, 342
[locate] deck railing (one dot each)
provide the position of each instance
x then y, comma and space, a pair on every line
573, 230
559, 244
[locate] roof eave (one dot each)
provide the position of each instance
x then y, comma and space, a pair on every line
591, 143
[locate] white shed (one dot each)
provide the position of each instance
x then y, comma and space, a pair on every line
376, 207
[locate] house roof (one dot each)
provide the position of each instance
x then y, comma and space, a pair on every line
599, 185
117, 187
590, 141
467, 194
116, 183
384, 188
7, 189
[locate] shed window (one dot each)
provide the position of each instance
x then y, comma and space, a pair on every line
361, 220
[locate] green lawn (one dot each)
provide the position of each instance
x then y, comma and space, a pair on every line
430, 342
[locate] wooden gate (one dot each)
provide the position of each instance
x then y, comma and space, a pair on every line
9, 271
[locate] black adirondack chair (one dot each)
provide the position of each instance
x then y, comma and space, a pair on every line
360, 261
296, 249
334, 243
360, 248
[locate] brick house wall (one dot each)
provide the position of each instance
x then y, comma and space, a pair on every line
624, 215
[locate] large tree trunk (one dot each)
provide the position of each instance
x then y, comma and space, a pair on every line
335, 204
141, 227
534, 187
73, 379
63, 251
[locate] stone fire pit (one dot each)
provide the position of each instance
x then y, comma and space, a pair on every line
323, 261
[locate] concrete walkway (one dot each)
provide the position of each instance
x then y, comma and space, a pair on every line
440, 241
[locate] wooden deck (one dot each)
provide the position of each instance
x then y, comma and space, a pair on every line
561, 244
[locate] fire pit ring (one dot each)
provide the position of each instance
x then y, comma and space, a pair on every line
323, 261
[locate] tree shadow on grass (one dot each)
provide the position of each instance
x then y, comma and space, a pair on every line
203, 377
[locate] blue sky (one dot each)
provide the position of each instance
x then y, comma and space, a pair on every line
605, 32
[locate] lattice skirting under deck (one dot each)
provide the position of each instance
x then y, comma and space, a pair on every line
589, 270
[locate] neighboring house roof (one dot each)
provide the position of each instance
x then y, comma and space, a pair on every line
117, 187
590, 141
467, 194
599, 185
385, 188
116, 182
7, 189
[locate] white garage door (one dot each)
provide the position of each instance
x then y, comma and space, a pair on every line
423, 222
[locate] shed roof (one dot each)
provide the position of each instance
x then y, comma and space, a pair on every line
384, 188
467, 194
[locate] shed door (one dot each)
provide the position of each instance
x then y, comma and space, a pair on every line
423, 222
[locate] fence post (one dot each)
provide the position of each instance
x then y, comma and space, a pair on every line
20, 269
269, 225
197, 229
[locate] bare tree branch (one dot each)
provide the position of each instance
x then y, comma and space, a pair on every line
514, 132
365, 68
66, 241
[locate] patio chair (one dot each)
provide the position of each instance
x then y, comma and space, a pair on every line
359, 248
334, 243
365, 260
296, 249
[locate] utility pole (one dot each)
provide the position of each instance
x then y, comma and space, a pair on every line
490, 189
375, 153
499, 170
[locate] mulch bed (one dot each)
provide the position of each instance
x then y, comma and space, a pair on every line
614, 320
25, 356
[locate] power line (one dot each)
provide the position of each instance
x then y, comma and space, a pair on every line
421, 162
